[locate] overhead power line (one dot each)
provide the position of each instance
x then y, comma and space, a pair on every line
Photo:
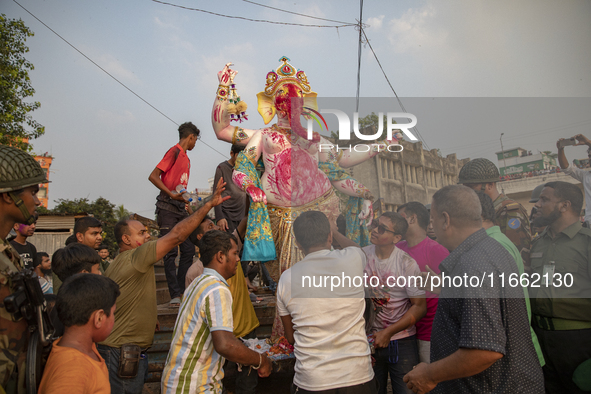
391, 87
297, 13
109, 74
250, 19
360, 27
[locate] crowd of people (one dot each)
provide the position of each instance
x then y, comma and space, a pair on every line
422, 335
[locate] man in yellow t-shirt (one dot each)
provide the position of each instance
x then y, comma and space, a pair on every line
133, 269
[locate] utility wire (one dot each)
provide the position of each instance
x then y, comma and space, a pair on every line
250, 19
391, 87
297, 13
106, 72
360, 26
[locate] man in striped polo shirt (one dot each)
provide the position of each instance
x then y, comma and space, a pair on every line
203, 337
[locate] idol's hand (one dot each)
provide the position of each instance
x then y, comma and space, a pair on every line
226, 75
256, 194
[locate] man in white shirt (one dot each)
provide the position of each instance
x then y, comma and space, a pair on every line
323, 319
581, 175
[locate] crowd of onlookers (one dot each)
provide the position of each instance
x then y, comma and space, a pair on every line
524, 327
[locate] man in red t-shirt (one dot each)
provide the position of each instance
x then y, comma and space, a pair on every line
173, 170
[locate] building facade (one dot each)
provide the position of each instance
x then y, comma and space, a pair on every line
518, 161
414, 174
45, 162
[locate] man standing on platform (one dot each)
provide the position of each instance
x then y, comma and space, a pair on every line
229, 214
172, 171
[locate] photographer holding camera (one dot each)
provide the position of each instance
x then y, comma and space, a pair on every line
581, 175
21, 298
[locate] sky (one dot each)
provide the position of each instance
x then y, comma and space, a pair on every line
106, 141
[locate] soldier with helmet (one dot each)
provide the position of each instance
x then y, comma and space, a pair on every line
482, 175
20, 176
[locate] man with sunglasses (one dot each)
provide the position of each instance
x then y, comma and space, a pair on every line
401, 303
174, 170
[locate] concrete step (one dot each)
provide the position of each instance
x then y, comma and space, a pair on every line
162, 296
161, 282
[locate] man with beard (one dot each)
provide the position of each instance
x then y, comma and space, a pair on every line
561, 255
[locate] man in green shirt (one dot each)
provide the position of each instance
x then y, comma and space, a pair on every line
488, 223
561, 303
136, 316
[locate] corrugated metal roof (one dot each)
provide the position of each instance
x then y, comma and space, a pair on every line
65, 223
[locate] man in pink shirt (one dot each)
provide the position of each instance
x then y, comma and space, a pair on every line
174, 170
426, 252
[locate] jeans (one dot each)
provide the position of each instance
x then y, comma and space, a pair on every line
397, 359
121, 385
176, 281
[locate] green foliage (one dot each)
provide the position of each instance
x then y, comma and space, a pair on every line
15, 86
101, 208
121, 212
370, 120
373, 120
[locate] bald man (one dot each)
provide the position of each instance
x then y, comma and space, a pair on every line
481, 331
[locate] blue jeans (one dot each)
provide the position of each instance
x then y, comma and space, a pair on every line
176, 280
120, 385
397, 359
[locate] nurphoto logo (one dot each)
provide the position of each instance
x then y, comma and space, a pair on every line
392, 129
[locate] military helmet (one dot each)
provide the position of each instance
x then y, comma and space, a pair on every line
18, 170
535, 194
478, 171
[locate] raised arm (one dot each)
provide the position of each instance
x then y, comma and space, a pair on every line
220, 118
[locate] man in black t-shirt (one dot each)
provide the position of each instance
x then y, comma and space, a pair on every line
25, 249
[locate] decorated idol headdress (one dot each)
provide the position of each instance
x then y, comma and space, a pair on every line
284, 74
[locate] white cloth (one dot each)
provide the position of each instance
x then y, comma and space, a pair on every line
331, 347
585, 178
397, 291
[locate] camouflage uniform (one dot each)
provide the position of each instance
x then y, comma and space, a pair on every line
14, 336
513, 220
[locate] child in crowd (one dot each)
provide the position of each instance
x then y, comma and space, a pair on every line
103, 252
75, 258
86, 306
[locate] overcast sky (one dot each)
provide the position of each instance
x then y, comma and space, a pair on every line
106, 141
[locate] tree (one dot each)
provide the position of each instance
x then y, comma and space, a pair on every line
121, 212
101, 208
373, 120
15, 86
